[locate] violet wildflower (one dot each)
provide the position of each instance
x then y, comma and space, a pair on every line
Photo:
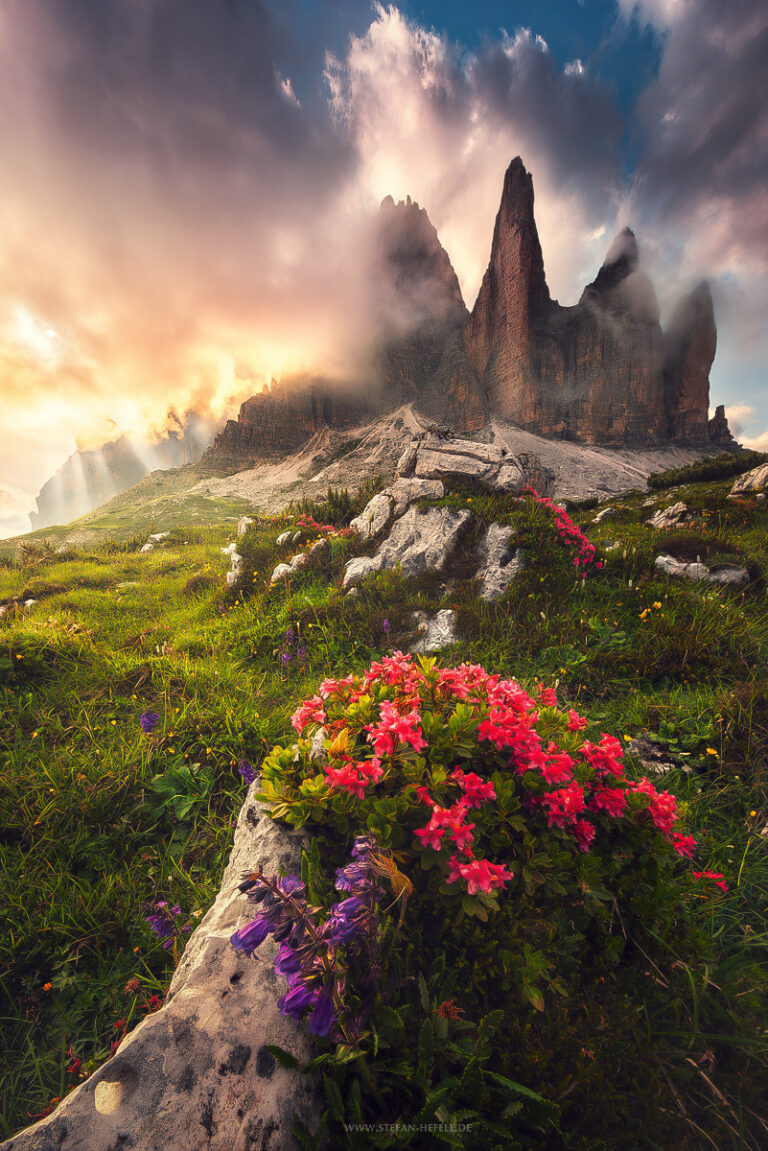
149, 721
309, 956
386, 627
301, 653
247, 772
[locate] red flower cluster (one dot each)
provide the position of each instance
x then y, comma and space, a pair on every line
580, 789
309, 523
572, 536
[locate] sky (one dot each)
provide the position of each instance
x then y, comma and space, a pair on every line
185, 186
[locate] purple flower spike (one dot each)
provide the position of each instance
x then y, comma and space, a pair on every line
386, 627
322, 1018
149, 721
247, 772
252, 935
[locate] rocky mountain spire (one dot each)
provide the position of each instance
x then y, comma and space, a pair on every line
419, 314
690, 342
513, 296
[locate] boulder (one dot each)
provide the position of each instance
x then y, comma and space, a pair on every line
750, 482
726, 576
283, 539
243, 524
668, 565
407, 491
671, 517
499, 563
407, 461
456, 461
420, 541
435, 633
606, 513
196, 1075
374, 517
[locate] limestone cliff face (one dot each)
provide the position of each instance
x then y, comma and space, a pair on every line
600, 372
284, 416
689, 349
419, 315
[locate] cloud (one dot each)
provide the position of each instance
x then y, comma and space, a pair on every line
441, 125
15, 506
185, 208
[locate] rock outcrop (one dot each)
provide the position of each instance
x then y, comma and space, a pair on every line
196, 1075
752, 482
420, 542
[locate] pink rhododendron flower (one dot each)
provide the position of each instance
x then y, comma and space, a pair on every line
481, 875
684, 844
476, 790
584, 832
562, 805
557, 766
575, 722
715, 876
310, 711
430, 836
547, 697
610, 799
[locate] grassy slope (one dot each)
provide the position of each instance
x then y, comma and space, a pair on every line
85, 839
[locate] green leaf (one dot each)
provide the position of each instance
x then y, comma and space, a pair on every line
424, 994
426, 1045
333, 1098
284, 1058
434, 1100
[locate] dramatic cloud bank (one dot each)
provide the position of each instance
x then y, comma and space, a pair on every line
184, 201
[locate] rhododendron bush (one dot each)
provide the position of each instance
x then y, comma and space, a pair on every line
491, 893
481, 791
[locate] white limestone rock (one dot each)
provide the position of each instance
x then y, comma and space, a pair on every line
435, 633
671, 517
283, 539
196, 1075
420, 541
605, 514
407, 461
668, 565
281, 572
244, 523
750, 482
726, 576
729, 576
407, 491
499, 563
374, 517
457, 461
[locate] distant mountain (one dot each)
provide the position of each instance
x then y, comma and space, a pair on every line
90, 478
601, 372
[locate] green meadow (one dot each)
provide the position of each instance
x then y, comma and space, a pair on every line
98, 818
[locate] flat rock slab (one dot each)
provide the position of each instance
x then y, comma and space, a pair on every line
466, 462
196, 1075
420, 542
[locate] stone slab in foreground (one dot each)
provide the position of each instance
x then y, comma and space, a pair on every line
196, 1075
